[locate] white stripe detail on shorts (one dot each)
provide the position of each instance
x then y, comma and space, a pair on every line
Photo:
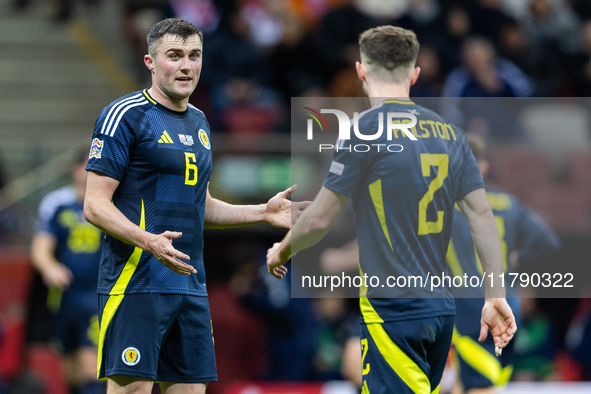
116, 107
121, 115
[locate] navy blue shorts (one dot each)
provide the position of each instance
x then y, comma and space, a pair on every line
478, 365
405, 356
76, 324
163, 337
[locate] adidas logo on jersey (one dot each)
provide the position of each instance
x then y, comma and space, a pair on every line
165, 138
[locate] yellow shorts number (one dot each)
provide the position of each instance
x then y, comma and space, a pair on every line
364, 347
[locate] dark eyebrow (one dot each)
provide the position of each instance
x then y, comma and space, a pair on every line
178, 50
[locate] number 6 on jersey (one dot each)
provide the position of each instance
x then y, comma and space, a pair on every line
191, 170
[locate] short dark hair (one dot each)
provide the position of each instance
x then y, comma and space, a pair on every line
477, 145
173, 26
389, 48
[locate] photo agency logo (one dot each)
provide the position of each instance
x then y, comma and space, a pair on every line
395, 122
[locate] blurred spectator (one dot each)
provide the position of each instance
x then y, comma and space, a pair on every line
552, 27
430, 81
580, 64
235, 70
488, 16
421, 16
447, 38
582, 8
552, 30
202, 13
293, 63
382, 10
337, 39
310, 12
66, 251
291, 327
535, 346
514, 46
264, 20
483, 74
138, 18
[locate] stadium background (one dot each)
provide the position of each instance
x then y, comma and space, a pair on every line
62, 61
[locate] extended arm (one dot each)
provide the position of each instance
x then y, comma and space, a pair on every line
310, 228
101, 212
496, 314
277, 211
485, 236
54, 273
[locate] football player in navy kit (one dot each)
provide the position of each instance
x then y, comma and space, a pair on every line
524, 237
147, 189
66, 251
403, 205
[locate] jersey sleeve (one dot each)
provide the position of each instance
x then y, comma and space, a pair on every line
534, 237
53, 227
112, 144
50, 203
346, 169
471, 177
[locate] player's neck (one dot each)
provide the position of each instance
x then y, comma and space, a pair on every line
163, 99
378, 92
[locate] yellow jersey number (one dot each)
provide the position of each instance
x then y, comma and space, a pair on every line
191, 170
428, 160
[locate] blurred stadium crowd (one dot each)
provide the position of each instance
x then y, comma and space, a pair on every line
260, 53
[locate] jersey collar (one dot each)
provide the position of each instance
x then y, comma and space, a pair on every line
176, 114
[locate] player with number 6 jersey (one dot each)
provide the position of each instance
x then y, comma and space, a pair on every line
162, 159
147, 189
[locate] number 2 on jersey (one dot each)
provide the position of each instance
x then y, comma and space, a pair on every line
191, 170
428, 160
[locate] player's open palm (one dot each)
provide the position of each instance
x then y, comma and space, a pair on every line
498, 317
161, 247
281, 212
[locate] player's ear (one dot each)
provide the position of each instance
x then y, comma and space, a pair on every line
415, 75
149, 62
360, 71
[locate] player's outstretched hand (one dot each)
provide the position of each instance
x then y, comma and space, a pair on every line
275, 261
281, 212
498, 317
161, 247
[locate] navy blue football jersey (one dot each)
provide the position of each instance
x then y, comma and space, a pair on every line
403, 200
521, 231
78, 245
162, 159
